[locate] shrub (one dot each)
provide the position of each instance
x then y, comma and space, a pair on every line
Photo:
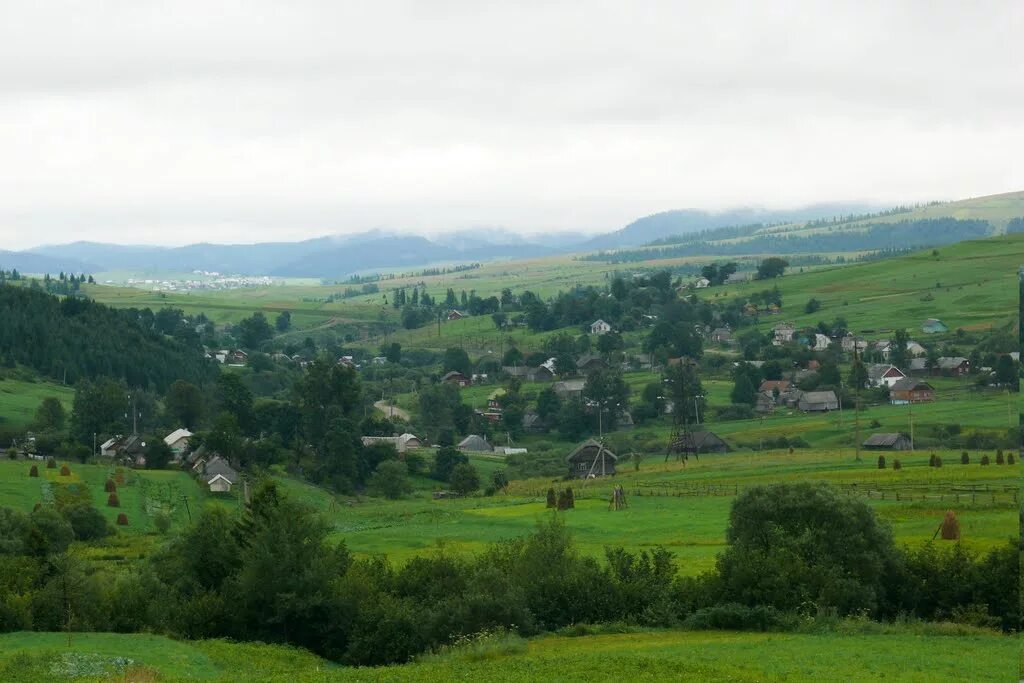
984, 460
735, 617
86, 521
415, 462
897, 465
113, 501
875, 424
391, 479
464, 479
162, 523
122, 519
965, 459
1000, 460
881, 462
109, 486
65, 471
51, 464
34, 472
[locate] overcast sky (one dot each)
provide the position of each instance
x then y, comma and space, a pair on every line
176, 122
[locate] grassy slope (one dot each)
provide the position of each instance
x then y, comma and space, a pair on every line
659, 655
978, 289
19, 400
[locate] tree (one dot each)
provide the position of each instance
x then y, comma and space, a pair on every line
445, 461
743, 392
1006, 372
608, 390
50, 415
858, 375
234, 398
158, 454
609, 342
86, 521
98, 408
812, 306
548, 405
259, 362
771, 267
184, 403
898, 354
829, 374
512, 357
499, 480
254, 330
393, 352
790, 544
464, 479
391, 479
456, 359
499, 319
283, 321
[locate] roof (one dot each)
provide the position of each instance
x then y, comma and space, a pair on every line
474, 442
598, 322
918, 363
699, 440
950, 362
454, 374
588, 359
404, 439
911, 384
882, 440
109, 442
218, 465
176, 435
588, 444
219, 476
570, 385
819, 397
879, 370
773, 384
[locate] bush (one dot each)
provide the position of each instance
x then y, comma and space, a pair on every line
391, 479
415, 462
881, 462
162, 523
113, 501
965, 459
122, 519
464, 479
984, 460
34, 471
896, 464
86, 521
735, 617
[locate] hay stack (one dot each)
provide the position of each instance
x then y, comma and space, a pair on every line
950, 529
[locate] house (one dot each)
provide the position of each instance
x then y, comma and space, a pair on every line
220, 484
541, 373
130, 446
737, 278
347, 361
379, 360
955, 366
178, 441
850, 343
518, 371
569, 388
915, 350
237, 357
600, 327
933, 326
701, 283
532, 422
401, 443
591, 459
769, 386
457, 378
721, 335
589, 363
281, 357
475, 444
219, 466
765, 403
821, 342
700, 442
887, 442
456, 315
109, 447
783, 334
818, 401
882, 374
909, 390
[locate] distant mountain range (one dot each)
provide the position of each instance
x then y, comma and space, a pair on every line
376, 250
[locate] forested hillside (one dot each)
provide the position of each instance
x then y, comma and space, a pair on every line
74, 338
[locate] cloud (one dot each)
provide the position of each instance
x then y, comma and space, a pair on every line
190, 121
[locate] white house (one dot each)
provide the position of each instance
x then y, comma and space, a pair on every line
821, 342
783, 334
108, 447
600, 327
701, 283
220, 484
178, 441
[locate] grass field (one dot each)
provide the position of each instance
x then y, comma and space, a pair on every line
19, 400
657, 655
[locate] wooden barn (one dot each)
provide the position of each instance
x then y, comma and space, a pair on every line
701, 442
591, 458
887, 442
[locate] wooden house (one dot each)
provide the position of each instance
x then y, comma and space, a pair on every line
456, 378
818, 401
887, 442
909, 390
591, 459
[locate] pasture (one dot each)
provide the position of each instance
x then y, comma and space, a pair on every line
19, 400
852, 652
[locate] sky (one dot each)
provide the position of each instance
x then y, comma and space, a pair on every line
178, 122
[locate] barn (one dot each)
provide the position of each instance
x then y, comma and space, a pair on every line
887, 442
591, 458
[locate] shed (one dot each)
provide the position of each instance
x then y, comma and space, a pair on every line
220, 484
591, 458
818, 401
887, 442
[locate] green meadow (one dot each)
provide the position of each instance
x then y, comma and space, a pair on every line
852, 652
20, 399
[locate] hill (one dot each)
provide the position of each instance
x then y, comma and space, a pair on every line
73, 338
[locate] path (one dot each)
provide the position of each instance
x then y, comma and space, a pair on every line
390, 411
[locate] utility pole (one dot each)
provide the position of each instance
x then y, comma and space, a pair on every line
910, 404
856, 409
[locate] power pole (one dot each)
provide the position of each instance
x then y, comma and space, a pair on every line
856, 408
910, 404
